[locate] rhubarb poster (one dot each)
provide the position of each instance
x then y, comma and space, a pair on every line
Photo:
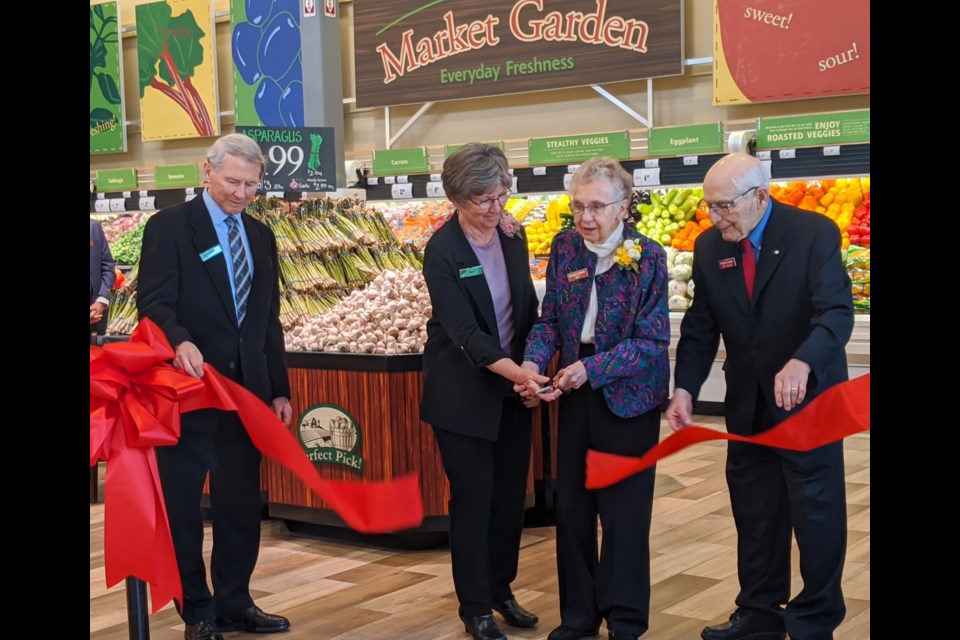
176, 55
108, 133
771, 50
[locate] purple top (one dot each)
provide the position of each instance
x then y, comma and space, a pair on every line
494, 266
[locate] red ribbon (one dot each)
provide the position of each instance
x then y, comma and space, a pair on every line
136, 399
840, 411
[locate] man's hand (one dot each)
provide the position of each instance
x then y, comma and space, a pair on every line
282, 409
97, 309
680, 411
790, 384
189, 359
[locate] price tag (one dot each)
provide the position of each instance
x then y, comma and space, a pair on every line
101, 206
435, 190
118, 204
101, 196
832, 150
691, 161
401, 191
148, 203
646, 177
435, 177
402, 180
389, 179
144, 193
372, 181
510, 170
566, 181
298, 158
93, 186
514, 187
189, 197
572, 168
763, 155
788, 154
190, 192
275, 194
539, 171
651, 163
126, 194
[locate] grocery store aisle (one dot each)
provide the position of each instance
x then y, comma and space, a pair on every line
337, 591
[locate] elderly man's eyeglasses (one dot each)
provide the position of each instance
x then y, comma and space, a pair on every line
486, 203
595, 208
723, 208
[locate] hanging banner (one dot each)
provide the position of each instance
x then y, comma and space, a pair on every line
686, 139
116, 179
414, 51
177, 175
108, 130
847, 127
394, 162
770, 50
302, 159
267, 62
176, 54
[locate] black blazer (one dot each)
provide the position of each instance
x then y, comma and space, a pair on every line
802, 308
190, 299
459, 393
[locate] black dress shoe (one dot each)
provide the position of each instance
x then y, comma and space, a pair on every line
253, 620
515, 615
563, 632
744, 625
483, 628
203, 630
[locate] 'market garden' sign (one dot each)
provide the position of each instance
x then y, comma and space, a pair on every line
422, 51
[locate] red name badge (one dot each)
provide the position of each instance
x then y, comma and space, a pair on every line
727, 263
576, 275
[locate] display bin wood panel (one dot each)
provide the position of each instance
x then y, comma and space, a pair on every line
382, 393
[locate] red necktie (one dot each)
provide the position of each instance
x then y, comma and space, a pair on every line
749, 265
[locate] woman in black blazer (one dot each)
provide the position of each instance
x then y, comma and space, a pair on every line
484, 304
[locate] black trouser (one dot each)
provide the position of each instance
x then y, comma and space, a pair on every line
617, 586
488, 487
774, 494
215, 441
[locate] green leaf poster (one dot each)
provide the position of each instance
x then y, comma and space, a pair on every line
176, 59
108, 132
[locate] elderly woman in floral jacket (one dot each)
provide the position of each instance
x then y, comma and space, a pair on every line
605, 310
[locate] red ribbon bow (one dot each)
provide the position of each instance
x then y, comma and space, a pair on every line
136, 399
840, 411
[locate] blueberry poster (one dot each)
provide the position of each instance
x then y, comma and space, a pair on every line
771, 50
267, 69
108, 133
176, 56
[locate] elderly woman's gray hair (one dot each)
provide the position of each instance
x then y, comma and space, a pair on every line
474, 169
604, 167
237, 145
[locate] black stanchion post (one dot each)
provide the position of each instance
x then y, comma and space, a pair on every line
137, 619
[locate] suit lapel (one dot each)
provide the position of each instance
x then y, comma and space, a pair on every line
771, 251
475, 285
583, 260
261, 288
205, 237
730, 265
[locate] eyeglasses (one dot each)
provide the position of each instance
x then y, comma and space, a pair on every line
485, 204
723, 208
595, 208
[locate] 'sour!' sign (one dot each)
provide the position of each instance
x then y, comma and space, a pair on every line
416, 51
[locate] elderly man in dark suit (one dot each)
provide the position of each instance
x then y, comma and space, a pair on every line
209, 279
770, 280
102, 277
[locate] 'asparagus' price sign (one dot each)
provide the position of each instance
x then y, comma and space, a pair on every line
298, 159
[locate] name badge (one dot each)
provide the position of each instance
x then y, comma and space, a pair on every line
470, 272
727, 263
576, 275
215, 250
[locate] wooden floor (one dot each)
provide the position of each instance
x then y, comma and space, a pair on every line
336, 590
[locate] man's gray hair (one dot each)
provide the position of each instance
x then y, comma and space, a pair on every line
757, 174
238, 145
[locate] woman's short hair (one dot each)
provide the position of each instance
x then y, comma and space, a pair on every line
474, 169
604, 167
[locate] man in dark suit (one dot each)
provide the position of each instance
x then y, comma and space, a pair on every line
209, 279
102, 277
784, 341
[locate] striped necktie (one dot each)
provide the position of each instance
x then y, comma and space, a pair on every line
241, 271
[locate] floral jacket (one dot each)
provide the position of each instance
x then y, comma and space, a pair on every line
632, 336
